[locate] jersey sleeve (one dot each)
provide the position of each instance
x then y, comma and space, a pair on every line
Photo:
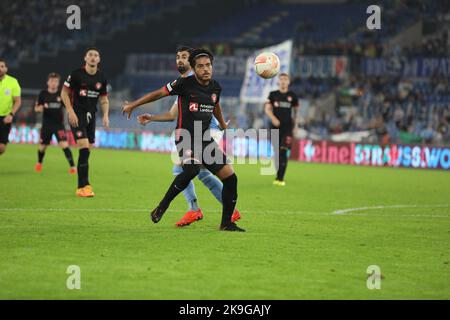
16, 91
104, 88
71, 81
219, 91
270, 98
41, 99
175, 87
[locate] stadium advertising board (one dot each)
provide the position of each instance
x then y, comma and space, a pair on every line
393, 155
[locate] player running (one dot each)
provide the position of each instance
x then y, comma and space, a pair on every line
198, 100
281, 107
49, 102
80, 95
10, 102
205, 176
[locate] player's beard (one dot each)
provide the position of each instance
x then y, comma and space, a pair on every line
182, 68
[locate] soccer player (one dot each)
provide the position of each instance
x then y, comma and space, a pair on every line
10, 102
205, 176
281, 107
49, 102
198, 100
80, 94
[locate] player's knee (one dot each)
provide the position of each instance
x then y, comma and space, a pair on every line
204, 174
191, 169
177, 170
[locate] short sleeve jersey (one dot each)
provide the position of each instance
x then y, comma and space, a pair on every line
9, 89
282, 104
195, 102
86, 89
53, 112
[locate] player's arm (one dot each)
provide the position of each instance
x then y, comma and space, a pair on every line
219, 116
17, 103
128, 107
171, 115
269, 112
39, 105
104, 104
65, 97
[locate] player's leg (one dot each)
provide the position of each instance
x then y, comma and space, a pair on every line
41, 154
189, 192
194, 213
4, 134
229, 197
191, 169
216, 187
80, 134
211, 182
44, 140
283, 154
64, 145
282, 164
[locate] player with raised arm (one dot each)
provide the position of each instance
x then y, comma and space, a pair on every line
198, 99
49, 102
281, 108
80, 94
205, 176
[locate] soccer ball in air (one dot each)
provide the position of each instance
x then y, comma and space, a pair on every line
267, 65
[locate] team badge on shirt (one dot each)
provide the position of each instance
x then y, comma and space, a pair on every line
193, 107
7, 92
214, 98
289, 98
83, 92
98, 85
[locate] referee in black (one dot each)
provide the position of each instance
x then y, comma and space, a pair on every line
80, 94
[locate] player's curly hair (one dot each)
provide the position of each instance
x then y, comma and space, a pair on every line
198, 53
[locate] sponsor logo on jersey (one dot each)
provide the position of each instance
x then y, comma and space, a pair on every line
193, 107
98, 85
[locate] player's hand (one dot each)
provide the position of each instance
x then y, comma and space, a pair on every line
226, 125
144, 119
46, 105
106, 122
8, 119
73, 119
276, 123
127, 108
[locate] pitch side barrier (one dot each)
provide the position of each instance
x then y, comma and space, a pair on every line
349, 153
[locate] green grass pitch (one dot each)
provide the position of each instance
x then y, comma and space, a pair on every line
295, 247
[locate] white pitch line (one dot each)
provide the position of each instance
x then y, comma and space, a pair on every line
400, 206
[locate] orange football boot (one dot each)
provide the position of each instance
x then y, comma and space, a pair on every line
190, 217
